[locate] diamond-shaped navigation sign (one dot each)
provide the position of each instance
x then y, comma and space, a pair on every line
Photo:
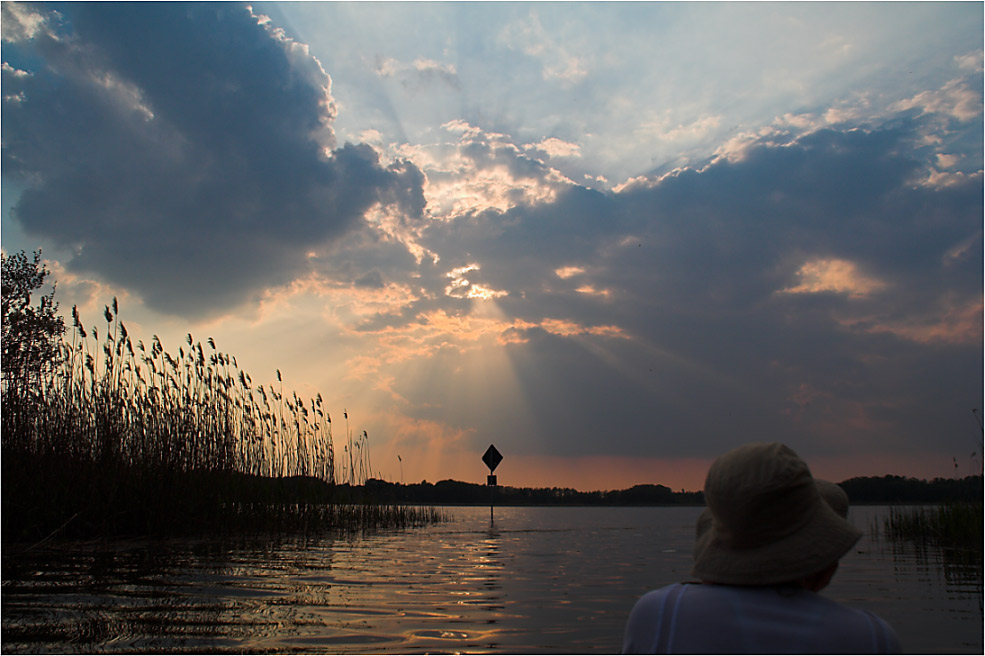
492, 458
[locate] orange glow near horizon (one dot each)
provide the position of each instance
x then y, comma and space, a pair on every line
587, 474
590, 473
593, 473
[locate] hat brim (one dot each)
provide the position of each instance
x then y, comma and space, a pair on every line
819, 543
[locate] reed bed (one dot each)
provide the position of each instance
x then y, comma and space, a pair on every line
118, 437
949, 535
956, 524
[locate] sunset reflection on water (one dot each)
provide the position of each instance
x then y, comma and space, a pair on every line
536, 580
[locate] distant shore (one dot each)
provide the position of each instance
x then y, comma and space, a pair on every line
866, 490
226, 501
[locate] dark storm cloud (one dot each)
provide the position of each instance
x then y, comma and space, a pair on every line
694, 268
182, 150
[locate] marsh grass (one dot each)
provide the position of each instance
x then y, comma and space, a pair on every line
118, 438
957, 524
949, 536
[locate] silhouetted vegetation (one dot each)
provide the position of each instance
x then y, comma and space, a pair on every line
885, 490
116, 438
459, 493
942, 517
949, 524
950, 536
30, 332
902, 490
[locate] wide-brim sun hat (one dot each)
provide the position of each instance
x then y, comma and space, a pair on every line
832, 493
769, 523
834, 496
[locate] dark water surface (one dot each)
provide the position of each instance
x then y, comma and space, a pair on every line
536, 580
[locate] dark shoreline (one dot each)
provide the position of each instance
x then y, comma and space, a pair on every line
868, 490
47, 499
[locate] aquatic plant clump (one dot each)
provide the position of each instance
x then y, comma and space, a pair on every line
950, 535
116, 437
949, 524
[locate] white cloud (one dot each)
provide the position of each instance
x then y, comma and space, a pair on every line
554, 147
954, 99
557, 61
482, 171
419, 72
128, 95
971, 61
569, 272
590, 290
567, 68
422, 64
464, 128
939, 179
952, 322
633, 182
462, 287
345, 304
371, 135
476, 189
390, 67
7, 68
800, 121
389, 223
836, 115
664, 128
20, 22
737, 147
833, 275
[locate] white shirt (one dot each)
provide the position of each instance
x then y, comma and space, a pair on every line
724, 619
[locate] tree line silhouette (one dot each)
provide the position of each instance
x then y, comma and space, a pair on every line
888, 489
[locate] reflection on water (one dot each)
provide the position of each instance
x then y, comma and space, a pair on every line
959, 569
427, 591
534, 580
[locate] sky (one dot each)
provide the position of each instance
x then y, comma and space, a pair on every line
613, 239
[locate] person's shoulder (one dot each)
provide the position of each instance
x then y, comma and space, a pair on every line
646, 620
865, 626
838, 608
882, 633
660, 595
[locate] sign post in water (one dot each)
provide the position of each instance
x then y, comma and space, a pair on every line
492, 457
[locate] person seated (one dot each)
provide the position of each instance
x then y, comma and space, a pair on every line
767, 544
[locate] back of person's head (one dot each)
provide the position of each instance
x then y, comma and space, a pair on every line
767, 522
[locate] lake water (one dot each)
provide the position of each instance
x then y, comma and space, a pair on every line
534, 580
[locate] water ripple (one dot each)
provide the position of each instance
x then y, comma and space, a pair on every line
538, 580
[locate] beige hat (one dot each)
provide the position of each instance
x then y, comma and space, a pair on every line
835, 497
769, 523
832, 493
